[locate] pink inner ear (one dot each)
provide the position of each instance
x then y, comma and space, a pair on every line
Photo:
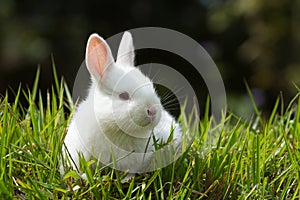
97, 55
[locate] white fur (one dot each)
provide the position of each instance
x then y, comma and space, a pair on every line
105, 125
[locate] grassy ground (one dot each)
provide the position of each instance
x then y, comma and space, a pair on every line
252, 160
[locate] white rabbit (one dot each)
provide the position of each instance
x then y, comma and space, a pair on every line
121, 113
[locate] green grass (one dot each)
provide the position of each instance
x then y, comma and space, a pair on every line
256, 159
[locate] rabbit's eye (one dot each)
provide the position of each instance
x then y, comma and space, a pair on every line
124, 96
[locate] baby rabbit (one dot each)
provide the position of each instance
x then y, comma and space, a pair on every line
122, 114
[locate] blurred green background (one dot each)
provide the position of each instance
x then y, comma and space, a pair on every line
256, 41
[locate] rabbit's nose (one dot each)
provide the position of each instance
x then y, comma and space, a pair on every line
151, 111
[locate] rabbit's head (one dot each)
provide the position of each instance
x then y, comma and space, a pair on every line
124, 98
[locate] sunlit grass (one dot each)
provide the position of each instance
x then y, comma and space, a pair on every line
256, 159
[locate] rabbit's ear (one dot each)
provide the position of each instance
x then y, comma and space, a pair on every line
98, 56
126, 50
